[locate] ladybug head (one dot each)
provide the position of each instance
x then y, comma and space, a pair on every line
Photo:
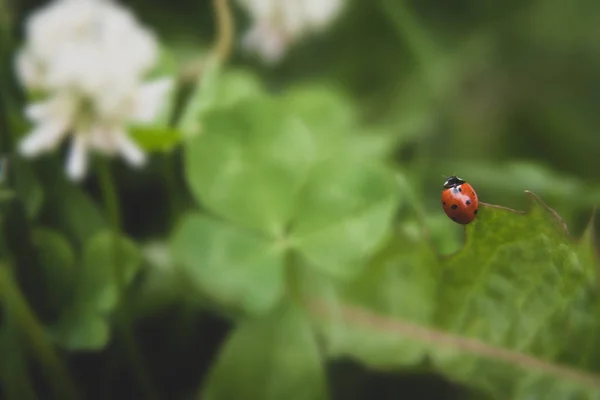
453, 181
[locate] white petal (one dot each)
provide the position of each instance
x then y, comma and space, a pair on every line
150, 100
78, 158
88, 45
259, 9
320, 13
26, 70
130, 151
267, 42
45, 137
103, 140
36, 112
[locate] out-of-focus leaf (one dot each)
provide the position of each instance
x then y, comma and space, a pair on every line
333, 123
256, 164
81, 329
99, 282
325, 107
3, 169
344, 211
152, 138
399, 283
167, 64
71, 209
202, 98
249, 164
237, 267
274, 357
217, 88
511, 314
328, 114
163, 284
372, 144
6, 195
14, 374
84, 325
57, 259
26, 186
236, 85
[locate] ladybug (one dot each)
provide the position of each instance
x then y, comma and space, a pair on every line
459, 200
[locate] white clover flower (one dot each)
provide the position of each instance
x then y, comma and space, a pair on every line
89, 57
277, 24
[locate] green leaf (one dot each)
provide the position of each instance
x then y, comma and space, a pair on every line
513, 314
99, 282
400, 283
343, 214
274, 357
249, 164
84, 326
201, 98
57, 260
328, 114
155, 138
335, 128
217, 88
81, 329
71, 209
167, 64
163, 283
236, 267
234, 86
27, 187
580, 347
14, 368
6, 195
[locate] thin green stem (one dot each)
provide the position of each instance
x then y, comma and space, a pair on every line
109, 192
35, 335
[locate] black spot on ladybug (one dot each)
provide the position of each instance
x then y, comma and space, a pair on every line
468, 202
444, 202
454, 206
475, 212
460, 189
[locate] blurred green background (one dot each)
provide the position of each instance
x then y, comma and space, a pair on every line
503, 94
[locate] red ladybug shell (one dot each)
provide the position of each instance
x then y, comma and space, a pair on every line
459, 201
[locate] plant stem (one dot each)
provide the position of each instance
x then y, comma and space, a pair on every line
30, 327
226, 30
109, 193
222, 46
